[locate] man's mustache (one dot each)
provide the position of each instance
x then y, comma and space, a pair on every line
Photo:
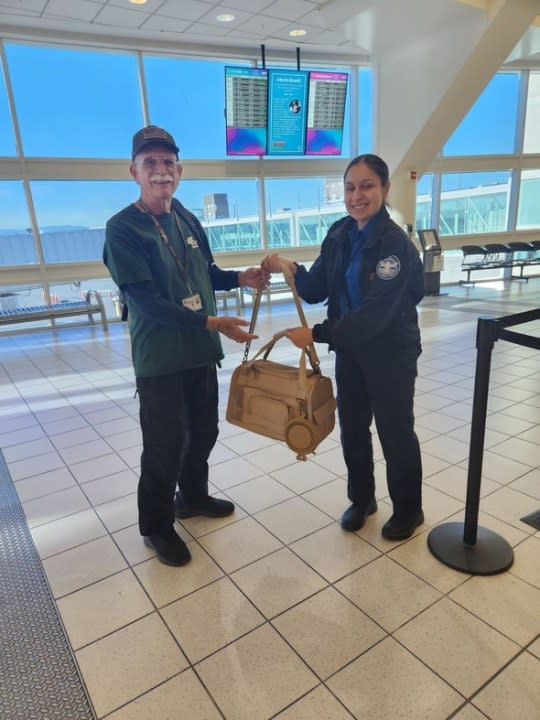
161, 178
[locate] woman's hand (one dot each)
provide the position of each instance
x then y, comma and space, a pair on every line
274, 263
300, 336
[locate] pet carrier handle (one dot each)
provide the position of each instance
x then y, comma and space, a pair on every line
310, 349
255, 312
267, 348
283, 333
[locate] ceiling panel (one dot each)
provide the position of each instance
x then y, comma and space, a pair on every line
348, 28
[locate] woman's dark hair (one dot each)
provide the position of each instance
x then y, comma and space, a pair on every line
374, 162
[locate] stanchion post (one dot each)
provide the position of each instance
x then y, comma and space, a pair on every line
486, 335
465, 546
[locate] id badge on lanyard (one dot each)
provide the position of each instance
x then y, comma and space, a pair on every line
192, 302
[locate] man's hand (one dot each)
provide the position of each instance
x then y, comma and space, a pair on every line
230, 327
274, 263
255, 277
300, 336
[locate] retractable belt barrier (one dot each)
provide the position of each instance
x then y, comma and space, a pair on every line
465, 546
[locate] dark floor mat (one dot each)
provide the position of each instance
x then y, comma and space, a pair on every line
38, 675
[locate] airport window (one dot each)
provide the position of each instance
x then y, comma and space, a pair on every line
17, 246
71, 215
531, 143
489, 128
75, 103
287, 194
529, 207
228, 210
280, 233
234, 235
197, 120
474, 203
7, 137
311, 228
297, 209
424, 202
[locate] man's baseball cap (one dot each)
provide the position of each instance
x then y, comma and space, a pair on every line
151, 135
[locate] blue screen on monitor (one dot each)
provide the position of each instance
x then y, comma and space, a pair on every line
287, 106
246, 91
326, 112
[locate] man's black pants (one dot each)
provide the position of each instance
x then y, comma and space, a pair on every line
380, 386
179, 423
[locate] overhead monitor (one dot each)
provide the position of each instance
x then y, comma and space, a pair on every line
326, 112
287, 111
283, 112
246, 92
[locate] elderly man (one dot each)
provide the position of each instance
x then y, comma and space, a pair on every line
158, 254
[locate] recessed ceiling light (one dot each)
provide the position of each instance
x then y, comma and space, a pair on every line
225, 17
138, 2
297, 33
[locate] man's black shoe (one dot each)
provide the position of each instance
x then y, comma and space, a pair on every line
169, 547
355, 516
207, 506
401, 527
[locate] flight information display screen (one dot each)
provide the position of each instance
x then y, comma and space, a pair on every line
246, 93
327, 93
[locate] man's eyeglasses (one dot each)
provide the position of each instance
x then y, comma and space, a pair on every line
152, 163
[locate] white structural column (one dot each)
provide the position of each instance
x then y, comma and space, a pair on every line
426, 89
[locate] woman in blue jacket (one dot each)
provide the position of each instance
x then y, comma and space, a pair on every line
371, 276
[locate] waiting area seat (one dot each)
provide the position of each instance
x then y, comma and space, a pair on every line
474, 257
276, 287
536, 251
223, 296
523, 254
499, 255
91, 305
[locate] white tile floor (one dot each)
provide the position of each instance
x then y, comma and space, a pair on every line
281, 614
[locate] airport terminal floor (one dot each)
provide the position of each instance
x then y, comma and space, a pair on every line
280, 614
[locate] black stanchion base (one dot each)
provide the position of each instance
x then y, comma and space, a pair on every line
491, 554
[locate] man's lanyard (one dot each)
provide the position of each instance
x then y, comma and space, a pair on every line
182, 269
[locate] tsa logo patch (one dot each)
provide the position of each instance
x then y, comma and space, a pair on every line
388, 268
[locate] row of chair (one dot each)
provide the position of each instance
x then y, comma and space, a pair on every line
500, 255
